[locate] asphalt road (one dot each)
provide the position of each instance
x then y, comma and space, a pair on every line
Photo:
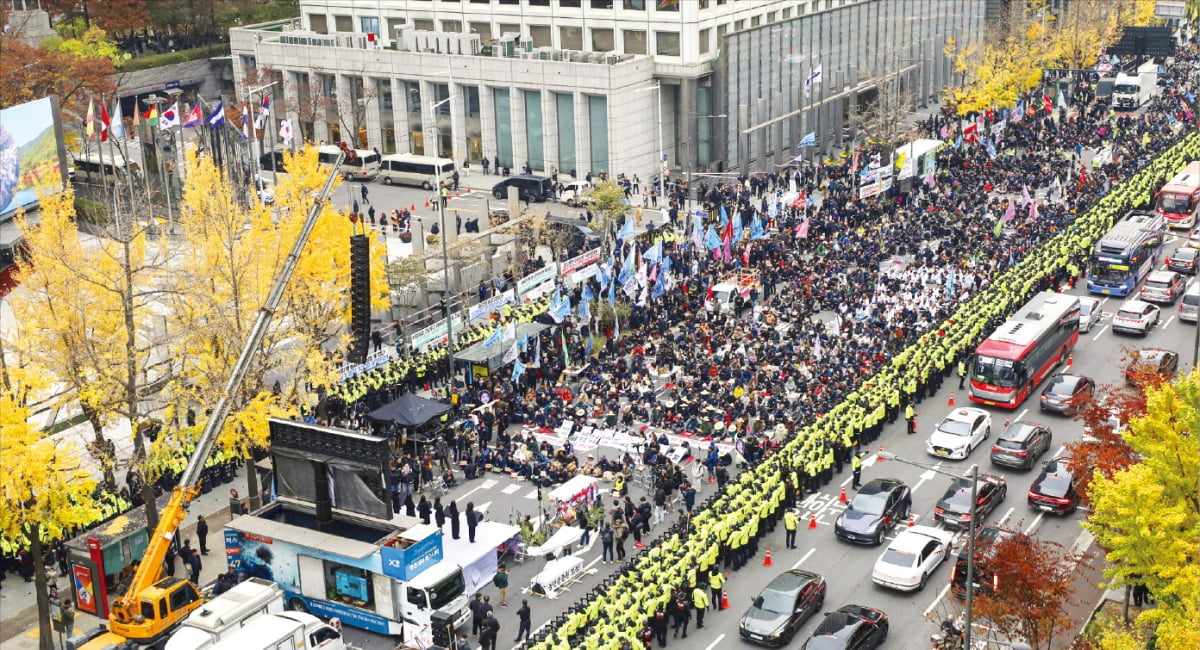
847, 567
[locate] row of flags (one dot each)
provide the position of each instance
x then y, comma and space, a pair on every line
99, 125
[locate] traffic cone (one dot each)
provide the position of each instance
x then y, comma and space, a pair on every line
912, 520
879, 458
842, 496
767, 560
724, 599
457, 194
1070, 359
812, 522
468, 190
950, 402
413, 207
427, 203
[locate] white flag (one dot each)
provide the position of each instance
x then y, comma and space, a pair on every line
512, 353
285, 131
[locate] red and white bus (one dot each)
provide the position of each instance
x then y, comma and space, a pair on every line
1010, 363
1179, 199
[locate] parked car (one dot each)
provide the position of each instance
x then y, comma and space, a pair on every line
1135, 316
912, 557
782, 607
851, 627
1089, 313
1163, 287
1189, 307
1151, 362
1021, 444
1184, 260
960, 432
875, 510
954, 508
1066, 393
576, 193
1054, 489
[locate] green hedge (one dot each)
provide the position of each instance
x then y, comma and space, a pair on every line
90, 211
619, 610
169, 58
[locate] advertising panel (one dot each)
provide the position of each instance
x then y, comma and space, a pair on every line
31, 151
85, 589
406, 563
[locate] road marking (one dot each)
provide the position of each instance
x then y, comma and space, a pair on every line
1097, 336
1169, 321
1036, 520
927, 475
592, 563
1006, 516
472, 491
1021, 415
938, 599
1061, 449
715, 642
801, 560
533, 494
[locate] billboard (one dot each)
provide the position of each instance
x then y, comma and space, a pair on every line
31, 148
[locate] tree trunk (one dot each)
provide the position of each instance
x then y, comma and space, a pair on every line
45, 630
102, 449
1125, 605
253, 490
132, 399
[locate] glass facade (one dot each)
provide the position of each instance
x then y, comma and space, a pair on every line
445, 131
762, 71
504, 149
387, 119
474, 128
598, 132
412, 105
565, 107
533, 130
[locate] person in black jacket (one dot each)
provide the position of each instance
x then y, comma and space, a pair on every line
473, 519
488, 632
452, 514
523, 615
424, 509
477, 610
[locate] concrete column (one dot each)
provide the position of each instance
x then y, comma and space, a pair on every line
520, 135
764, 156
487, 124
371, 114
400, 116
779, 131
458, 122
743, 118
689, 151
583, 135
344, 109
550, 131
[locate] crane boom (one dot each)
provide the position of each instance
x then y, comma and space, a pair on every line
129, 618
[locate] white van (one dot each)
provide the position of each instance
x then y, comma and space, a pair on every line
407, 169
97, 168
227, 613
1189, 307
284, 631
359, 165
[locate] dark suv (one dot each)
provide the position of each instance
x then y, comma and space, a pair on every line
1054, 489
529, 188
1021, 444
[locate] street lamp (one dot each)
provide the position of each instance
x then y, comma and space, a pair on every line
441, 212
973, 476
662, 156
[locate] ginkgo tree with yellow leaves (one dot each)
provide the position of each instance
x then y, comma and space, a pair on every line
44, 489
231, 258
1147, 517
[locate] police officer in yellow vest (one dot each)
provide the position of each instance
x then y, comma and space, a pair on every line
790, 523
716, 580
700, 602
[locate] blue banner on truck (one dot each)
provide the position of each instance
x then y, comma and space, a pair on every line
405, 564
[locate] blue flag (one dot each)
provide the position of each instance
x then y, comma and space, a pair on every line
711, 240
585, 312
492, 338
518, 370
809, 140
612, 293
587, 294
660, 286
666, 265
756, 229
626, 231
654, 254
724, 216
737, 228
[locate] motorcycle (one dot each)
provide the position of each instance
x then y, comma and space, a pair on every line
948, 638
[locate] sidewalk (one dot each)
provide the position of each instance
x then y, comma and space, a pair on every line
18, 609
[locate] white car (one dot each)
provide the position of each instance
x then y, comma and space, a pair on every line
912, 557
960, 433
1136, 316
1089, 313
576, 193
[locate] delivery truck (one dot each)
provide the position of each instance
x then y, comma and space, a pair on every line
227, 613
1131, 91
295, 630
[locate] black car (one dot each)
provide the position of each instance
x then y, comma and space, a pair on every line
1067, 393
876, 509
780, 609
1054, 489
1148, 363
954, 509
1021, 444
985, 540
1184, 260
852, 627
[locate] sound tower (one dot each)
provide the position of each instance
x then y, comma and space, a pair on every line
442, 628
360, 298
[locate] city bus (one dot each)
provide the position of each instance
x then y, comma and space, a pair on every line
1126, 255
1179, 199
1010, 363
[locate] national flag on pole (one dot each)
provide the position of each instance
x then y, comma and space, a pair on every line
194, 117
104, 123
285, 131
245, 120
150, 117
263, 112
89, 122
217, 117
813, 79
117, 127
169, 118
809, 140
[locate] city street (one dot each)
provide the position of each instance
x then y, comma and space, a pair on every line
847, 568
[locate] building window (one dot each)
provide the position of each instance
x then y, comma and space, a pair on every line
392, 24
602, 40
423, 25
565, 108
602, 4
754, 21
412, 108
503, 126
666, 5
569, 4
316, 23
481, 2
666, 43
739, 25
534, 141
635, 5
598, 132
541, 35
721, 29
510, 2
483, 29
452, 26
441, 92
509, 28
387, 119
705, 37
343, 23
539, 3
703, 4
570, 38
787, 13
370, 24
472, 123
635, 41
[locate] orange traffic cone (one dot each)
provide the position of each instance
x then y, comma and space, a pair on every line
457, 194
724, 599
912, 520
468, 190
1070, 359
427, 203
879, 458
842, 496
812, 522
767, 560
413, 208
950, 402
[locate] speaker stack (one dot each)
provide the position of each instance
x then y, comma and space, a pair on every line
360, 298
